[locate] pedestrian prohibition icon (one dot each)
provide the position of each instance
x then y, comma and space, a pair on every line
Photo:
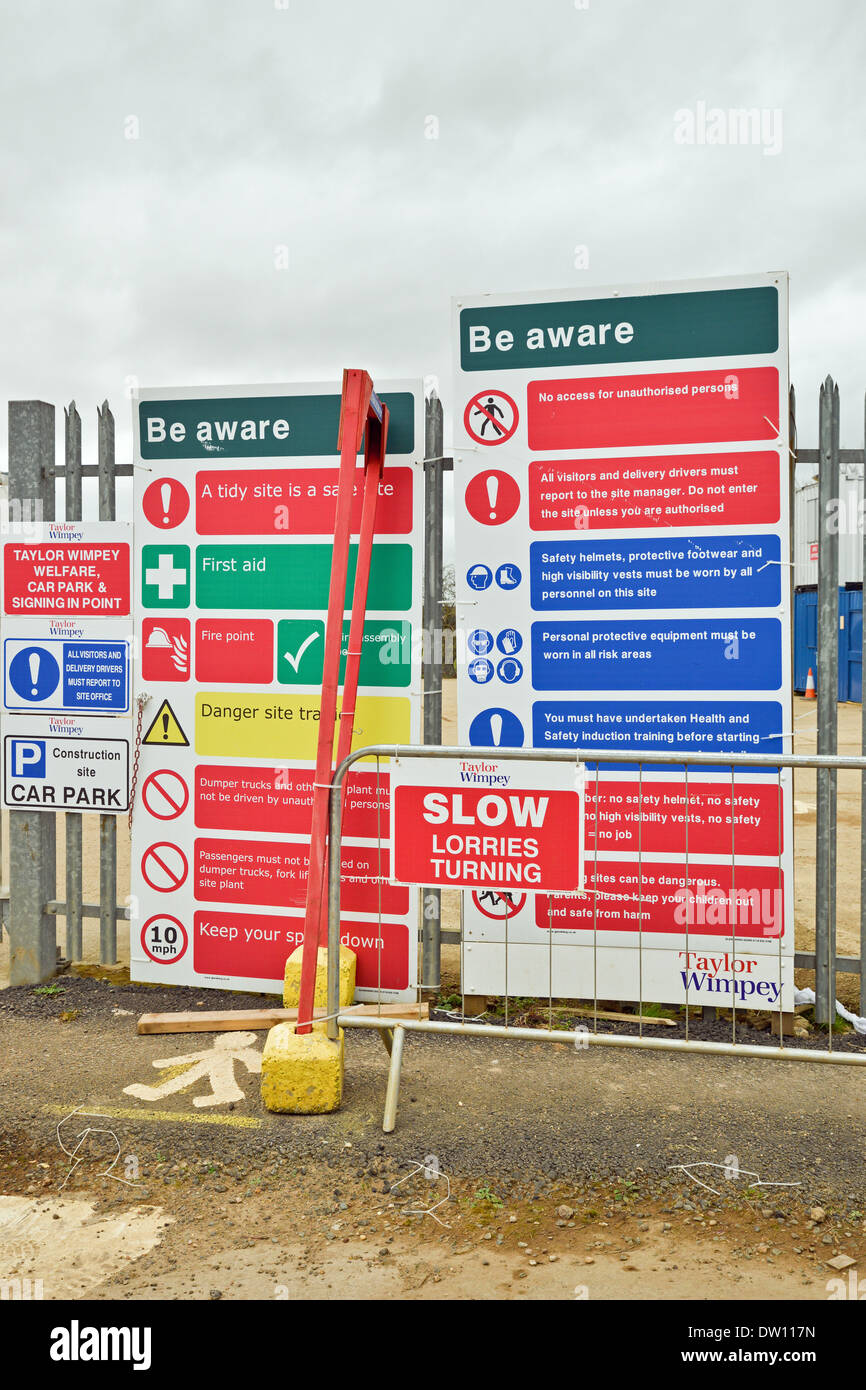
490, 417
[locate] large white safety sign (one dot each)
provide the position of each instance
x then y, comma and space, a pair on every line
235, 501
621, 484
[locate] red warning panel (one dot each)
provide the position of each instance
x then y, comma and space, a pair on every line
657, 820
658, 408
299, 501
281, 798
234, 650
65, 578
473, 836
682, 490
660, 899
254, 946
274, 874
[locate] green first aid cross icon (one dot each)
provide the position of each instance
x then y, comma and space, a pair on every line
165, 576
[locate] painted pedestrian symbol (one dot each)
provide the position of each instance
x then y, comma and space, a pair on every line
165, 794
165, 728
490, 417
496, 728
34, 674
215, 1064
165, 576
164, 866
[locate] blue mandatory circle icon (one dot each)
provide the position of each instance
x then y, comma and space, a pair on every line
34, 674
480, 670
480, 642
510, 670
508, 576
509, 641
479, 577
496, 728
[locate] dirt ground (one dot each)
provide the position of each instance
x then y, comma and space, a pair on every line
805, 728
516, 1171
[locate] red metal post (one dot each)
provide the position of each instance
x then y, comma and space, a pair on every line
354, 407
374, 463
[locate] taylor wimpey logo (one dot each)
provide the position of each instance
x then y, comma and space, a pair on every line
725, 974
65, 531
481, 774
67, 728
60, 627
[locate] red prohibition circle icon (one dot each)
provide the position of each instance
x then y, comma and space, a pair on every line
499, 903
165, 794
164, 939
490, 417
164, 867
165, 503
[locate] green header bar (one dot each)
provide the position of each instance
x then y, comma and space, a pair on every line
252, 427
639, 328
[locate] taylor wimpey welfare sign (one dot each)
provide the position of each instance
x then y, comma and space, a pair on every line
488, 824
622, 515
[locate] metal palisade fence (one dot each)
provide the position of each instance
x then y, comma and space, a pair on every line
35, 900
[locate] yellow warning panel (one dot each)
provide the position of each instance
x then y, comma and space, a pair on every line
165, 729
240, 725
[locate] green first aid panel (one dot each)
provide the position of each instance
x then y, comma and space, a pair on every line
296, 576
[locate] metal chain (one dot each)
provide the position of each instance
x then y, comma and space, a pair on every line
141, 701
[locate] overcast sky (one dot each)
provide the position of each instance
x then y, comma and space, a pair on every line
304, 124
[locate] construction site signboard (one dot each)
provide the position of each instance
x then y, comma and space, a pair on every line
622, 515
234, 504
488, 824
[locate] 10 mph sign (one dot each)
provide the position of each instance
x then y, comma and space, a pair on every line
489, 824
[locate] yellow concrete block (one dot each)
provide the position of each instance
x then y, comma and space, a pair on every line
292, 978
302, 1074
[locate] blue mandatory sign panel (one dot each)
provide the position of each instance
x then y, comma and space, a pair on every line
658, 654
496, 728
705, 726
57, 676
692, 572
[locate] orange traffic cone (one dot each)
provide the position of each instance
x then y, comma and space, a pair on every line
810, 692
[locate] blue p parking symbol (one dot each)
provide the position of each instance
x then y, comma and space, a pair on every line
28, 757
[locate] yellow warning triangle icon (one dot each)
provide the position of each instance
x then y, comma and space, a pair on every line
165, 729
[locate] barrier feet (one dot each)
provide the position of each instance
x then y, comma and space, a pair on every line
302, 1074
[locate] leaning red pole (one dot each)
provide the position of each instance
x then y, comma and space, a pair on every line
354, 407
374, 463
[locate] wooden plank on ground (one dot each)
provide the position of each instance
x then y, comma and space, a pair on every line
235, 1020
612, 1017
